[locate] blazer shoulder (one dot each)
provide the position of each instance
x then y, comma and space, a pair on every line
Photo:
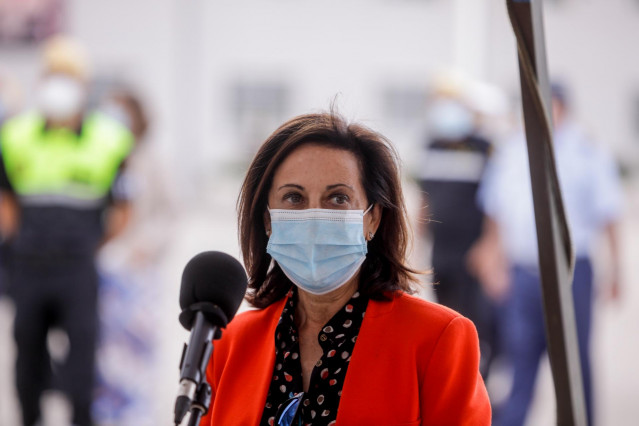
253, 321
411, 308
248, 316
417, 320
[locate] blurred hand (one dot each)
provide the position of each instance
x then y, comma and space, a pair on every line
140, 257
117, 218
612, 289
486, 261
9, 215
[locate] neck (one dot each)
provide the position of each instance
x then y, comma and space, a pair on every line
314, 311
72, 123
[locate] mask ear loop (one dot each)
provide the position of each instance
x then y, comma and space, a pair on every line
368, 209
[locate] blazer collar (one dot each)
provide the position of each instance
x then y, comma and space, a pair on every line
262, 367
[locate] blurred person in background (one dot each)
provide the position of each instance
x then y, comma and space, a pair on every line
62, 198
506, 260
336, 336
9, 104
455, 156
130, 289
124, 105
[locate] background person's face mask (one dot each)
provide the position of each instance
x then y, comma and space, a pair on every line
60, 97
449, 120
319, 250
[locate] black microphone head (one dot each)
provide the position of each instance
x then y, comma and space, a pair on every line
212, 280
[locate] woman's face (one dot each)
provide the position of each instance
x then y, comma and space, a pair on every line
320, 177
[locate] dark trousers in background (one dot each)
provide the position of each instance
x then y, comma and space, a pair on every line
59, 294
525, 338
458, 290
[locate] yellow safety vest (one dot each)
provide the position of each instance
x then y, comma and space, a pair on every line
58, 166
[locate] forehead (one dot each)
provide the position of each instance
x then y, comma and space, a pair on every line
318, 164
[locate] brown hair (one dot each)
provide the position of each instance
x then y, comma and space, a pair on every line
135, 109
384, 271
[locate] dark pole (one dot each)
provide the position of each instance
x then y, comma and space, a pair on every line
555, 249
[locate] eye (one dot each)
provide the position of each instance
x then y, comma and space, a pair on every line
340, 199
293, 197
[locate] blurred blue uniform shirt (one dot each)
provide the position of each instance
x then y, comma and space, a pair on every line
590, 186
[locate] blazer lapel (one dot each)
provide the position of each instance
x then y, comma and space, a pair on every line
354, 400
260, 364
249, 372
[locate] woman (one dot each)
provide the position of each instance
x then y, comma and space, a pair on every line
336, 338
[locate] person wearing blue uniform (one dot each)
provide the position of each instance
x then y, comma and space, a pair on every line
592, 196
62, 196
455, 157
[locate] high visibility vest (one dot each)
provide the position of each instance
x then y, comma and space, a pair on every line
57, 165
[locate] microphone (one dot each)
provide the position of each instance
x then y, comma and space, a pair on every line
212, 289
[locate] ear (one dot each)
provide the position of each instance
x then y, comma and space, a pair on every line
372, 220
267, 222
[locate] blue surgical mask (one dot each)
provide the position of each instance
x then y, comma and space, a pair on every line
319, 250
450, 120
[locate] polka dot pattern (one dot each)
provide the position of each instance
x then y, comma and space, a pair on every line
337, 338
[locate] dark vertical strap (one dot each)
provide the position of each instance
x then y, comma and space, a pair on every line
556, 256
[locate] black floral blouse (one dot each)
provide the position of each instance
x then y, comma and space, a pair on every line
319, 405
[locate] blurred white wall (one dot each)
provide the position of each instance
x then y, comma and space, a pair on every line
591, 46
199, 62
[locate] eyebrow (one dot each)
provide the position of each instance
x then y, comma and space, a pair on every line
328, 187
337, 185
293, 185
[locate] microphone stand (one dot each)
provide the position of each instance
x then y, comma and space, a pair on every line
201, 403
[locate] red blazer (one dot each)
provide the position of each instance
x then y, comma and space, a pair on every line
414, 363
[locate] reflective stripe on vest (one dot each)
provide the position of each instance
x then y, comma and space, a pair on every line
58, 164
